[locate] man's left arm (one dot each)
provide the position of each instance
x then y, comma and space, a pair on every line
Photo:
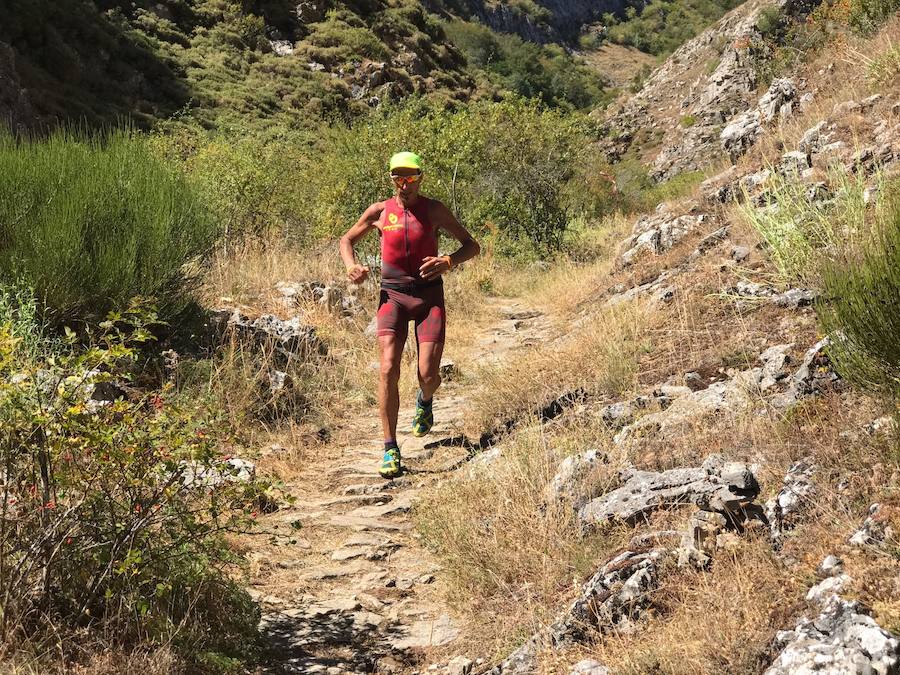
443, 218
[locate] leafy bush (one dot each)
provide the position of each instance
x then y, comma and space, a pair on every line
546, 73
861, 308
661, 26
111, 512
90, 223
867, 15
501, 167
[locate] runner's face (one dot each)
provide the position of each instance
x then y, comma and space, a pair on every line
406, 188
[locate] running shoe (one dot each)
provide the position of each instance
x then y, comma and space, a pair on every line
424, 417
390, 464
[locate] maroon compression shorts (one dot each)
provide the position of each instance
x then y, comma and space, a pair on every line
425, 306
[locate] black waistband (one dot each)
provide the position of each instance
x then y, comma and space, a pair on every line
411, 288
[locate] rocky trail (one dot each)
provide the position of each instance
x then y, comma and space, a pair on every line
355, 593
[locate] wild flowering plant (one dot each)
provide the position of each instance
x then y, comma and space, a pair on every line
112, 510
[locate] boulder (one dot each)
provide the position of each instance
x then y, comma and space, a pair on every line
874, 530
611, 600
287, 339
777, 102
842, 639
741, 133
589, 667
567, 483
716, 485
658, 232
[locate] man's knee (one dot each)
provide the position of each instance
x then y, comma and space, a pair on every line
390, 371
430, 378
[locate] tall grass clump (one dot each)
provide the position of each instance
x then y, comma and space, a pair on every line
802, 227
91, 222
861, 309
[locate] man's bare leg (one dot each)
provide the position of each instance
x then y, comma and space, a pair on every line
390, 349
430, 368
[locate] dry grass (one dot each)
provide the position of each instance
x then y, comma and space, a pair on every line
710, 624
96, 659
599, 356
510, 555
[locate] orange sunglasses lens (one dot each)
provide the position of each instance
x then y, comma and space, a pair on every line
400, 181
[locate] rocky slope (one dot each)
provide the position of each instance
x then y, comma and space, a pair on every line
677, 118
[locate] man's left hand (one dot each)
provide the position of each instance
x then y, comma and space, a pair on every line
433, 267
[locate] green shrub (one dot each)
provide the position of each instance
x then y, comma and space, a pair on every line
769, 21
502, 167
861, 308
100, 524
90, 223
867, 15
661, 26
546, 73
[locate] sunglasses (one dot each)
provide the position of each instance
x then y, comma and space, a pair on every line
401, 181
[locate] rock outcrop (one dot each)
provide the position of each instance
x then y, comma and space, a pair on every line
610, 600
690, 107
287, 340
841, 639
723, 487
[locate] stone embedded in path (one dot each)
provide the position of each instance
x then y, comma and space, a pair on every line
425, 633
367, 524
717, 485
334, 571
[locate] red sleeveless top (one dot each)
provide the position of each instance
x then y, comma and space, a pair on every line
407, 238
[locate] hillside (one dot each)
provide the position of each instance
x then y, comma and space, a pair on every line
231, 65
666, 435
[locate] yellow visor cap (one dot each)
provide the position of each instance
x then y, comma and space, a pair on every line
406, 160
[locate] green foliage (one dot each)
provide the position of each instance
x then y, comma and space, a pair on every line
342, 38
113, 513
546, 73
89, 223
802, 229
501, 167
80, 63
866, 16
861, 307
688, 121
770, 21
661, 26
245, 183
850, 249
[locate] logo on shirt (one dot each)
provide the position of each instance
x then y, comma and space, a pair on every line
392, 219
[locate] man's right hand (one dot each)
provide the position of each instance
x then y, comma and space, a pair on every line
357, 274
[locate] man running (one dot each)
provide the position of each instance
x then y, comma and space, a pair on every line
411, 290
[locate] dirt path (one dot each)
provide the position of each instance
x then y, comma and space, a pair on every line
355, 594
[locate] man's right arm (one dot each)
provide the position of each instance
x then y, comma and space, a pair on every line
356, 272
